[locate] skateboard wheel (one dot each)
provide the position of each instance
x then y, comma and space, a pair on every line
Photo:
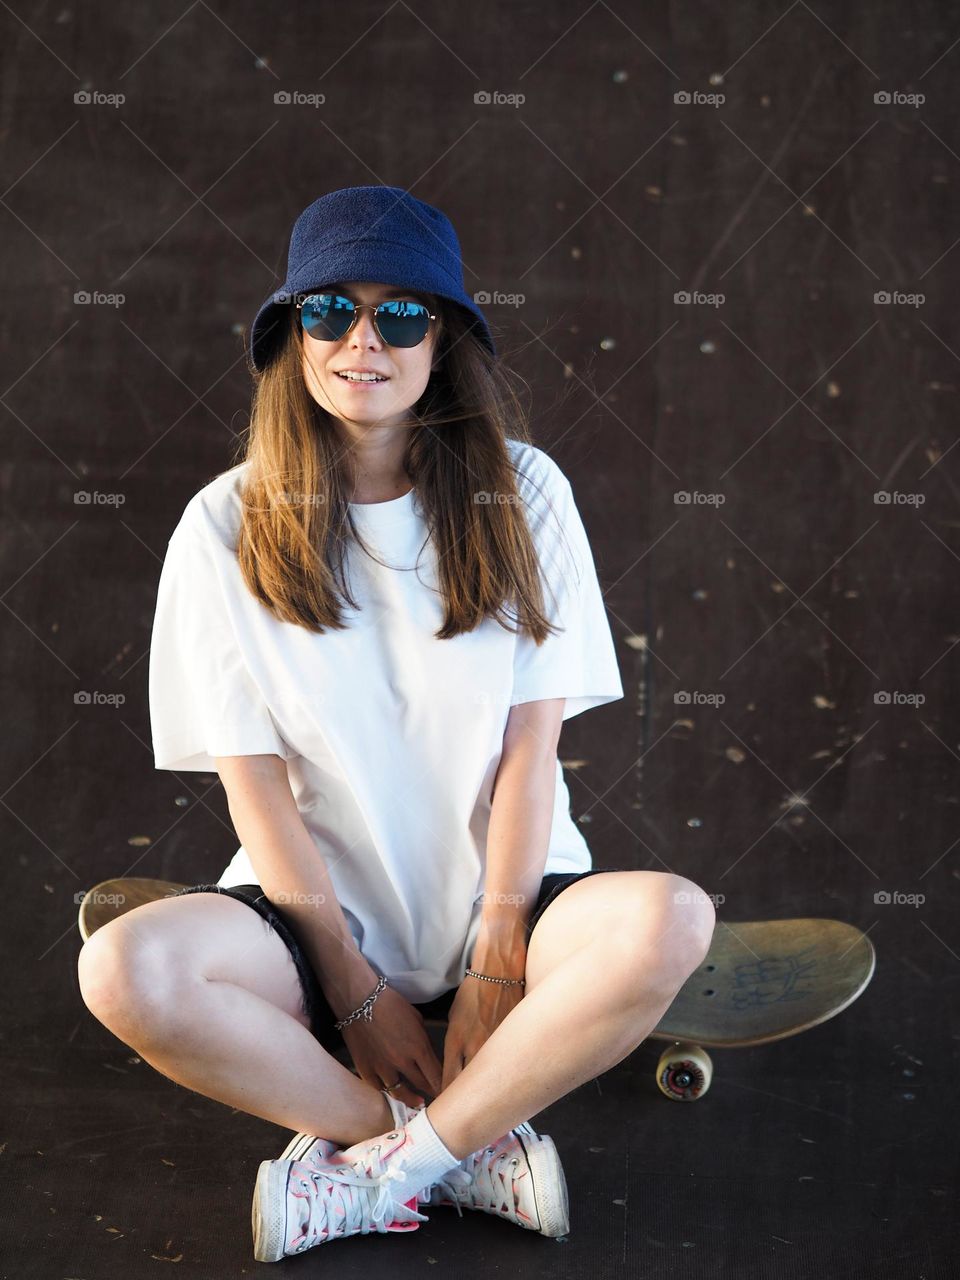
684, 1072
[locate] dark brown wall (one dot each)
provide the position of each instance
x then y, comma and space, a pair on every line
799, 599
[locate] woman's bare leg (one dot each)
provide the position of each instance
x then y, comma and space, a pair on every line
240, 1037
604, 963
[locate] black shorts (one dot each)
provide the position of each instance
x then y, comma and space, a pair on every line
315, 1006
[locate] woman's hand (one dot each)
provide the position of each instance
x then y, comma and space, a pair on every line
478, 1009
394, 1045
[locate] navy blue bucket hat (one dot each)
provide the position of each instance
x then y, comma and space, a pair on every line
368, 234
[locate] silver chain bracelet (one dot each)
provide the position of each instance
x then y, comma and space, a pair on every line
507, 982
365, 1010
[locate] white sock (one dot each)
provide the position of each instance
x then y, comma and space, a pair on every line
423, 1157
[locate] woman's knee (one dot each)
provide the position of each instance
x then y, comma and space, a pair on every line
679, 919
696, 912
137, 973
130, 977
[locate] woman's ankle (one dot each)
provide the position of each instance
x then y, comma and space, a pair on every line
379, 1120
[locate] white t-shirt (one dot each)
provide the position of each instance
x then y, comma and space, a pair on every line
392, 737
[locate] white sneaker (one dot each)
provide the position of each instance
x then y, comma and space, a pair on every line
519, 1178
299, 1204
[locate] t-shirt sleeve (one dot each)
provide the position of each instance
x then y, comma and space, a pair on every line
579, 663
203, 700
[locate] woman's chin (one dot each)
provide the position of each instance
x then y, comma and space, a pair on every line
371, 414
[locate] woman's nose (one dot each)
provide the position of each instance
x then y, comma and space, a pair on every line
363, 331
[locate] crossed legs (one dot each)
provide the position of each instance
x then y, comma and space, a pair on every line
208, 995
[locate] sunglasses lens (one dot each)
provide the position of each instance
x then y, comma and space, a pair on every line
326, 316
402, 324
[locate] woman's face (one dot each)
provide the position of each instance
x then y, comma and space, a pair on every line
406, 370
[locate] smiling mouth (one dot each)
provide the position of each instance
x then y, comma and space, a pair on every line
364, 379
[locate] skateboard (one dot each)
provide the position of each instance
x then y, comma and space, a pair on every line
762, 980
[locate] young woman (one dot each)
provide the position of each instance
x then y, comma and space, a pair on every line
372, 629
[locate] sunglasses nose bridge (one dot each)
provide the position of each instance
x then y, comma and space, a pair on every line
363, 322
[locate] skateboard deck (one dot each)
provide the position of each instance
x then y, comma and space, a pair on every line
762, 980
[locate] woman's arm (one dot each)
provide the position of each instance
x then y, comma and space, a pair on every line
293, 875
518, 836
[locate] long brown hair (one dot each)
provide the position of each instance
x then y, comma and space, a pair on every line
296, 492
